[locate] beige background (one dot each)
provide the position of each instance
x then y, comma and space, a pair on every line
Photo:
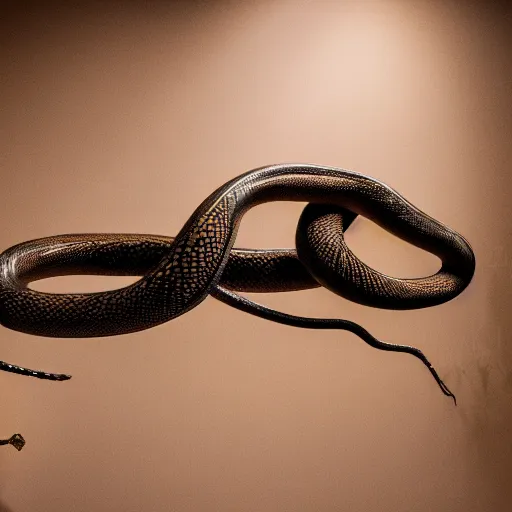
123, 116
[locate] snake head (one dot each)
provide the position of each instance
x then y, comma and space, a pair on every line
17, 441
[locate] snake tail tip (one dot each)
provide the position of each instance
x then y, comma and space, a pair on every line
447, 392
57, 376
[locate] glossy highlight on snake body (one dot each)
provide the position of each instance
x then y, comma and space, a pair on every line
178, 273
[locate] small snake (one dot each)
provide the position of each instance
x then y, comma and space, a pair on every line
15, 440
179, 273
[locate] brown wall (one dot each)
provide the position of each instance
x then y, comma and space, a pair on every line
123, 116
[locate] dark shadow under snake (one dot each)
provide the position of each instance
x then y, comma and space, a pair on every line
179, 273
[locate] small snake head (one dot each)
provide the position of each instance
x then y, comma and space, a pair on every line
17, 441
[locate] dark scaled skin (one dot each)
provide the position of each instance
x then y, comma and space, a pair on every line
15, 440
179, 273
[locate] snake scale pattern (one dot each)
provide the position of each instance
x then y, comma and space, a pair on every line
176, 274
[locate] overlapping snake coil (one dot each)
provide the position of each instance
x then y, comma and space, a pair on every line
179, 273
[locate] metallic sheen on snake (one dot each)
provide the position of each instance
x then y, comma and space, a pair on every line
179, 273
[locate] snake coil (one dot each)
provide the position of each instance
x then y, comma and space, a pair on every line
179, 273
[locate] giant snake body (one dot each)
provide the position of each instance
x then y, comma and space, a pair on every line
179, 273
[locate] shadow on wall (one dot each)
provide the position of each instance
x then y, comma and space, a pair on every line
4, 507
488, 379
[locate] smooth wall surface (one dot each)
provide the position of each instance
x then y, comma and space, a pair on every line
123, 116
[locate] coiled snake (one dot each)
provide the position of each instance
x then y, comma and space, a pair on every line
179, 273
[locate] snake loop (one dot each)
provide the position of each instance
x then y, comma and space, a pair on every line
178, 273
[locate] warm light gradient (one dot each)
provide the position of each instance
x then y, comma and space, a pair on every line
123, 117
